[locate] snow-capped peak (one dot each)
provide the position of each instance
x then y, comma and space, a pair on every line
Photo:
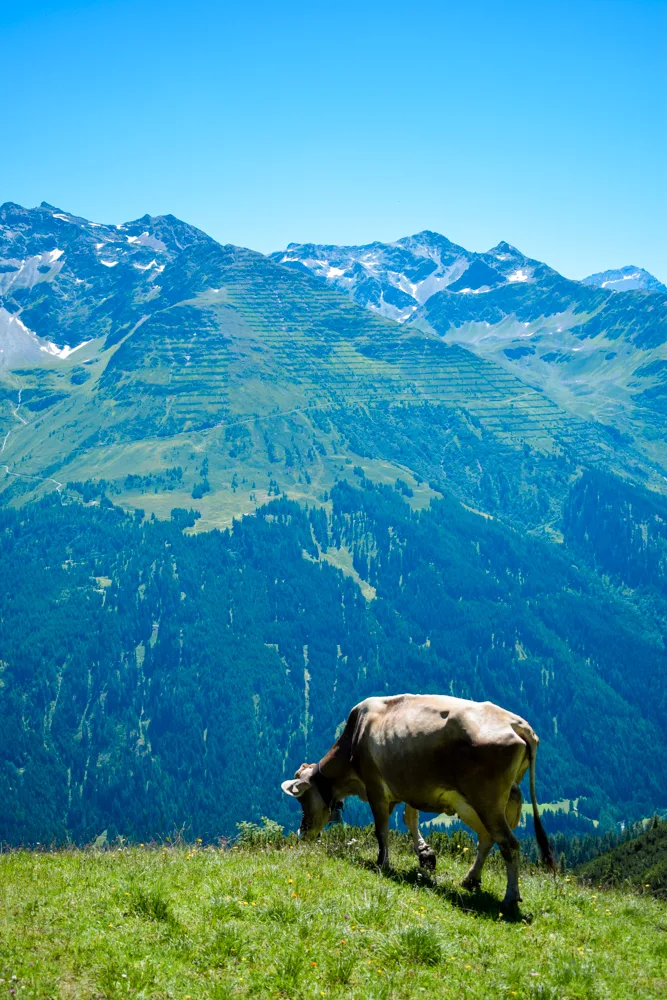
625, 279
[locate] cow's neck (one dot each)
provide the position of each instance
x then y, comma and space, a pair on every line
335, 776
325, 786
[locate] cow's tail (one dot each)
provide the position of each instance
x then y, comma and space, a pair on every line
542, 840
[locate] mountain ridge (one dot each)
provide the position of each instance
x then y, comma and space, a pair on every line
597, 352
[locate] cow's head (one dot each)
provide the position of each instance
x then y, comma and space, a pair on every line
316, 813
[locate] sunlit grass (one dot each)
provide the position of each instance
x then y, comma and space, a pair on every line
302, 921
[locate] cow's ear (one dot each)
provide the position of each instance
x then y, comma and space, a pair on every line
296, 787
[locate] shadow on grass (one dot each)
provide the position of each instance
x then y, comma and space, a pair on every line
478, 901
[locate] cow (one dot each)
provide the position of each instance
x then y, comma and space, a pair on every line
434, 753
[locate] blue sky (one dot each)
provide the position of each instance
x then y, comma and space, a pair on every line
541, 123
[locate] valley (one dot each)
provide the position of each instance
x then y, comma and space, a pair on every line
429, 513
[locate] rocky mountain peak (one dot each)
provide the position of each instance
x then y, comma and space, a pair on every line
625, 279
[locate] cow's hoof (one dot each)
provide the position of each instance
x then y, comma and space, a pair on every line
471, 882
510, 908
427, 859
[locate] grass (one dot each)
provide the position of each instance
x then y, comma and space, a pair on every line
306, 921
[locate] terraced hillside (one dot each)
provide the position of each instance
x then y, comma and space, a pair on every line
273, 379
599, 353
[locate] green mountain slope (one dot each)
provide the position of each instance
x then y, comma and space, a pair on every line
641, 862
598, 353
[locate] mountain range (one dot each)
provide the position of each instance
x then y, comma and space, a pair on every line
458, 469
598, 354
119, 335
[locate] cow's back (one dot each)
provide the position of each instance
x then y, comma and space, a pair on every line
421, 745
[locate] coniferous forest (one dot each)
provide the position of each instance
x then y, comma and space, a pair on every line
153, 679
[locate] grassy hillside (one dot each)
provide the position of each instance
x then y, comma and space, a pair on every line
640, 862
311, 921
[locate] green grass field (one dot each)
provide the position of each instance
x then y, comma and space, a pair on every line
288, 920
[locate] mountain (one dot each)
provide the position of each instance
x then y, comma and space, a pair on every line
641, 863
625, 279
392, 279
276, 380
395, 279
426, 516
600, 355
65, 281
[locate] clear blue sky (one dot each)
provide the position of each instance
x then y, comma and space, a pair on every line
542, 123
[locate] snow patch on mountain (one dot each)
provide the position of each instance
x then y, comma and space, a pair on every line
146, 240
20, 345
397, 279
625, 279
145, 267
522, 274
61, 352
25, 274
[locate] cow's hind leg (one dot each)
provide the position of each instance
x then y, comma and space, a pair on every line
425, 853
473, 878
508, 845
513, 808
485, 842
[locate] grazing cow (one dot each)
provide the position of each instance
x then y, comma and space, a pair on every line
437, 754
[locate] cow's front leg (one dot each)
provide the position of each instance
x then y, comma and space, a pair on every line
425, 853
381, 810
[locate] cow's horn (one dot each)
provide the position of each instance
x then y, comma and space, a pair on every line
296, 787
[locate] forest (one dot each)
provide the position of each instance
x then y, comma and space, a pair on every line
154, 680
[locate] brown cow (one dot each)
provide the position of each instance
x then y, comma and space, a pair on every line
437, 754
